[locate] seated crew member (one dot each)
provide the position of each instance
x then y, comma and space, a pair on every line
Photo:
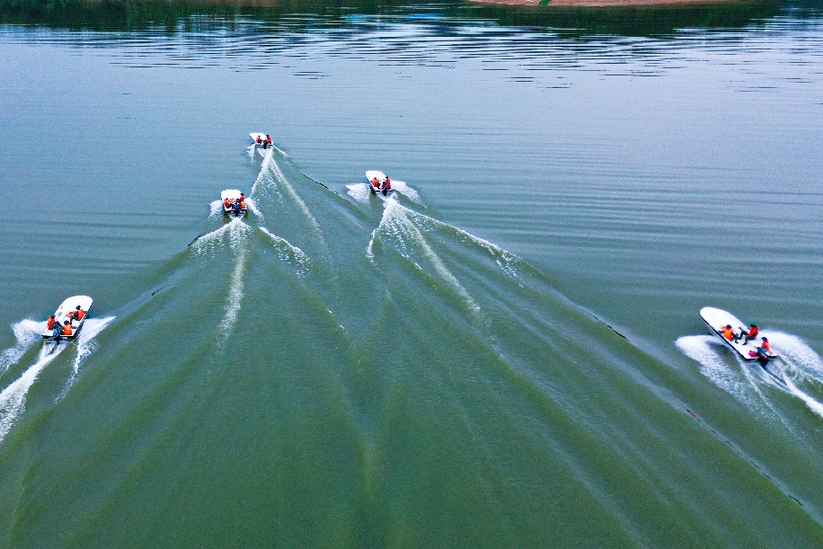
375, 183
388, 183
268, 139
727, 332
259, 141
67, 329
243, 202
79, 313
746, 336
226, 203
765, 347
51, 323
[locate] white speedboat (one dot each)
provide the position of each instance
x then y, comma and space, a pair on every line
75, 310
379, 182
234, 202
261, 140
748, 349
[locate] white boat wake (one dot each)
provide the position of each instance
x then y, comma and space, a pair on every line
703, 349
798, 366
85, 347
235, 229
395, 211
26, 332
359, 191
397, 225
288, 252
272, 177
403, 188
13, 397
215, 208
234, 298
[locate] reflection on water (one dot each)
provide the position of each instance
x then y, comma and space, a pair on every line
250, 36
315, 15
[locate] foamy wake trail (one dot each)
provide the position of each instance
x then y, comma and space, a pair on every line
85, 347
215, 208
359, 191
235, 230
235, 233
250, 152
403, 188
703, 350
235, 297
507, 261
271, 176
813, 404
26, 332
803, 361
801, 365
797, 364
13, 397
288, 252
252, 206
397, 226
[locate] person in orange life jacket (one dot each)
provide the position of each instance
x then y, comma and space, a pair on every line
375, 183
242, 201
749, 335
259, 141
226, 203
67, 327
387, 186
765, 347
727, 332
268, 139
79, 313
51, 322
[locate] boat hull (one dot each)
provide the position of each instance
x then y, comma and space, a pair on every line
716, 319
231, 195
381, 178
62, 312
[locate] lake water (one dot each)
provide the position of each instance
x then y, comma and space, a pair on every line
507, 352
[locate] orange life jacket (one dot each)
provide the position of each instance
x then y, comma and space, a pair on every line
80, 314
753, 332
51, 323
766, 346
728, 333
67, 329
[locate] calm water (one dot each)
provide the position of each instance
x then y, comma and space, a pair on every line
507, 353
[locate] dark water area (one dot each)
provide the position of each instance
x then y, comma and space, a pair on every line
569, 21
505, 352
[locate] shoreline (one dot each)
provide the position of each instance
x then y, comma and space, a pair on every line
605, 3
